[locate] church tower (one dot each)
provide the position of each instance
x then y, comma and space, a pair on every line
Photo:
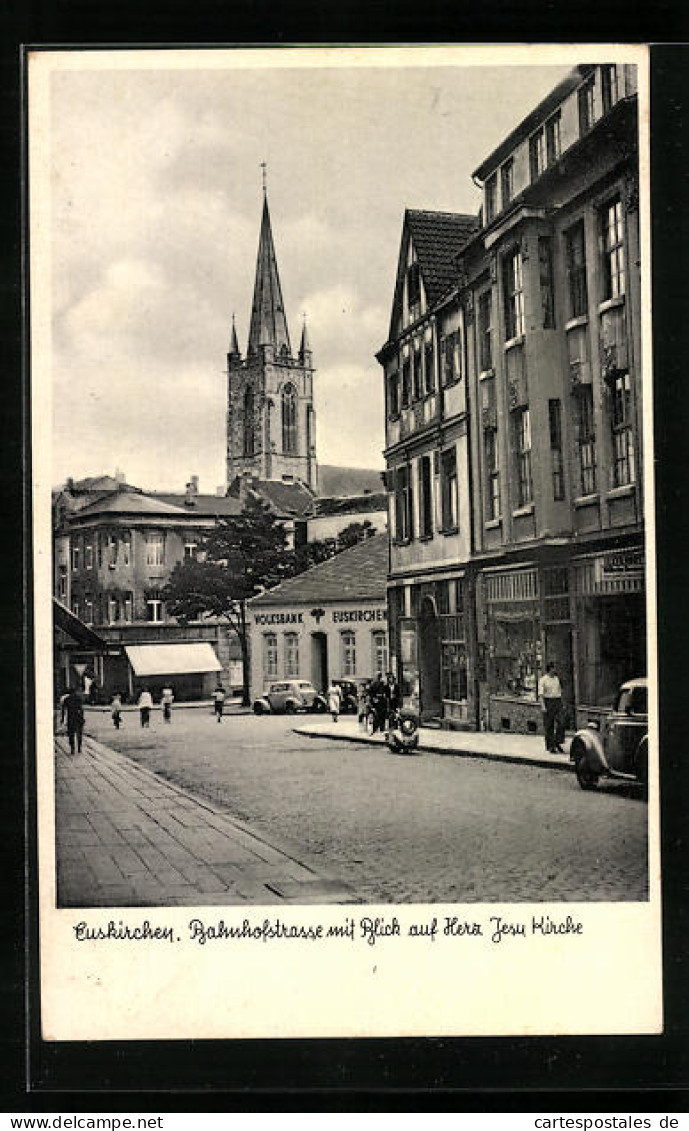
271, 424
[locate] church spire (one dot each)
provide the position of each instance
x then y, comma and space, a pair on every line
234, 344
268, 322
305, 347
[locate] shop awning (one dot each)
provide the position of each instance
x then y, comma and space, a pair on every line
172, 659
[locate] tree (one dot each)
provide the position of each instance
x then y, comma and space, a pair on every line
243, 554
312, 553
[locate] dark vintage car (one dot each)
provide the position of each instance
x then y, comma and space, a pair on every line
617, 747
289, 696
349, 702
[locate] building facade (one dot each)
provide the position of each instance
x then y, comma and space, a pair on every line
329, 622
548, 307
427, 468
114, 552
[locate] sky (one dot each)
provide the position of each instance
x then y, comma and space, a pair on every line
155, 205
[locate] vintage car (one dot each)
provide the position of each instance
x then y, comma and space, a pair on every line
617, 747
289, 696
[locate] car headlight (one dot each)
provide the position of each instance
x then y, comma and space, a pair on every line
408, 726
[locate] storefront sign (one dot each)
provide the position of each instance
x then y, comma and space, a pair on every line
617, 562
339, 616
279, 618
350, 616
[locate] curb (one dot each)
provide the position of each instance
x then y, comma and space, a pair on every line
429, 748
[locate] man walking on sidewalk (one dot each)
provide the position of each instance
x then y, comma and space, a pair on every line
550, 693
73, 711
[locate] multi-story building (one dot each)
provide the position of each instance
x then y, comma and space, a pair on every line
549, 308
116, 547
424, 361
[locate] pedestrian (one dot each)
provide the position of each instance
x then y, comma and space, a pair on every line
364, 705
145, 704
116, 710
167, 699
392, 695
334, 698
219, 700
379, 703
550, 694
73, 711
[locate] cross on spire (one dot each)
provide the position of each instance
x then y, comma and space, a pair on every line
263, 174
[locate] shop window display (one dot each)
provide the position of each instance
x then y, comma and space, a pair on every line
516, 649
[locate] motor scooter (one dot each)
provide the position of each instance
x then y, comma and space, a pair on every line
402, 735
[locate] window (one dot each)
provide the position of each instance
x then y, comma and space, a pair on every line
448, 463
62, 582
112, 550
99, 549
522, 448
613, 250
406, 382
88, 556
154, 607
113, 610
416, 370
586, 441
450, 357
491, 198
585, 97
190, 550
556, 460
291, 654
126, 549
490, 454
414, 291
155, 550
348, 655
507, 182
289, 420
429, 366
248, 422
575, 253
394, 394
622, 435
545, 269
453, 661
75, 555
425, 497
88, 609
485, 314
75, 607
403, 504
552, 138
514, 295
537, 154
380, 651
128, 608
270, 655
609, 87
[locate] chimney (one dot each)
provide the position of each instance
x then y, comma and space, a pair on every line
192, 489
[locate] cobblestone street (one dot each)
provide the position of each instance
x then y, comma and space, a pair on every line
398, 829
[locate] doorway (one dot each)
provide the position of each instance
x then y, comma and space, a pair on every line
319, 661
429, 661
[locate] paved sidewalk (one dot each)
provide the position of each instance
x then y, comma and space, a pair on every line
521, 748
125, 837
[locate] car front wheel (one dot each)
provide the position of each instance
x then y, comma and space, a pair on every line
289, 707
585, 775
318, 706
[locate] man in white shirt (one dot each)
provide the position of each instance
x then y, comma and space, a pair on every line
550, 694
